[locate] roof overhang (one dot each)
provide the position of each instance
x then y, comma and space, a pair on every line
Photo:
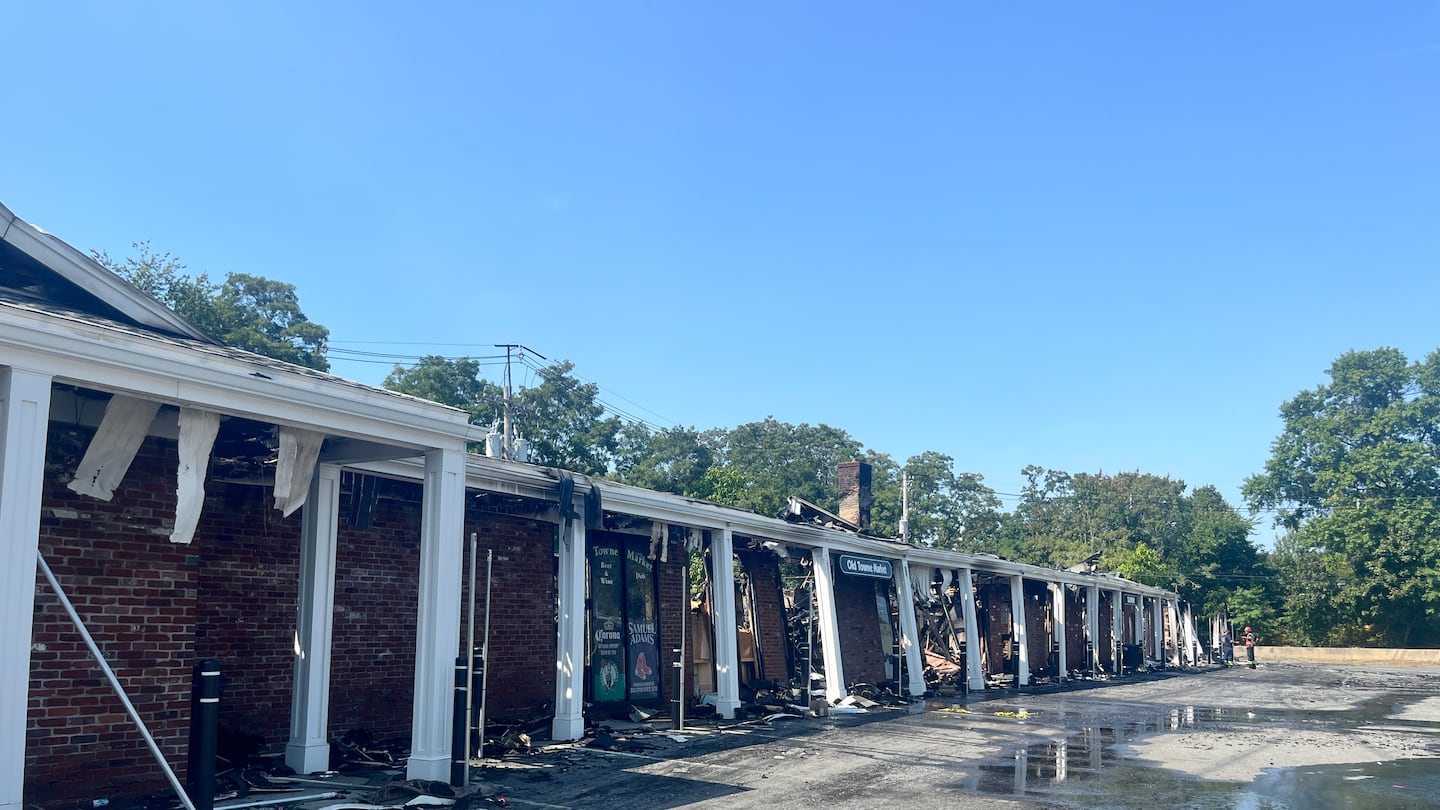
87, 274
180, 372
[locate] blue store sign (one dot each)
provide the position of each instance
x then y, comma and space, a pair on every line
865, 566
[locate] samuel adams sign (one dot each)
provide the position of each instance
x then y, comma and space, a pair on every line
865, 566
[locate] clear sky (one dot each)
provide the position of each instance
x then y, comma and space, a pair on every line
1090, 236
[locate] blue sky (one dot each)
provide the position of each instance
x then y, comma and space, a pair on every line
1093, 237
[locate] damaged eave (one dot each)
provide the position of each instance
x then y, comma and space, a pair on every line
84, 272
181, 373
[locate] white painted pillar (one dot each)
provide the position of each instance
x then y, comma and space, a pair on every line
727, 643
829, 625
1157, 628
974, 671
1092, 624
569, 720
1017, 630
1177, 644
1117, 628
437, 621
909, 629
1187, 623
308, 750
24, 420
1057, 597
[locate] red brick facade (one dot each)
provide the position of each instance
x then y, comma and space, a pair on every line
858, 615
136, 593
156, 608
764, 570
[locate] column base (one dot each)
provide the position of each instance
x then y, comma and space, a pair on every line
567, 727
434, 768
313, 758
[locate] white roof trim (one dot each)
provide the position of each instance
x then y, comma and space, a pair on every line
166, 370
532, 481
86, 273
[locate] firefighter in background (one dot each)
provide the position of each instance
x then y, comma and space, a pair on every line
1249, 647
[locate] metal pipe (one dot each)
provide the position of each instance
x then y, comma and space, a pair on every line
470, 659
680, 663
114, 682
286, 799
485, 654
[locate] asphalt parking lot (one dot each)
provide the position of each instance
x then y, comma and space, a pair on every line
1280, 736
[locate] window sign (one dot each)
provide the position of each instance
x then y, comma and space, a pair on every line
641, 623
607, 623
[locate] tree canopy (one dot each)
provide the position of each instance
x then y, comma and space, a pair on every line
244, 311
1354, 478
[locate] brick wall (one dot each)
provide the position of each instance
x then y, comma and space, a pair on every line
155, 608
248, 580
136, 592
521, 681
672, 598
860, 644
1107, 631
372, 673
1075, 630
1037, 620
994, 602
764, 570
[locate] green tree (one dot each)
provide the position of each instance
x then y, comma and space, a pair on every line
948, 509
454, 382
565, 422
245, 311
668, 460
775, 460
1354, 475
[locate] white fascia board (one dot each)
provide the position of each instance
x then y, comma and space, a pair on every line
532, 481
87, 274
92, 356
953, 559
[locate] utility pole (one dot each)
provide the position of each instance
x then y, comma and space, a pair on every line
507, 451
905, 506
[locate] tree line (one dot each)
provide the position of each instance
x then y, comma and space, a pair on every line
1352, 480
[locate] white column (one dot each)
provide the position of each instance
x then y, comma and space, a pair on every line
1117, 628
437, 622
569, 720
1092, 624
1172, 618
1057, 597
727, 643
829, 625
1017, 631
974, 672
1157, 628
909, 631
309, 748
1187, 622
24, 420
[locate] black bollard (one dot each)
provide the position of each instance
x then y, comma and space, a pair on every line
459, 765
205, 689
964, 671
677, 720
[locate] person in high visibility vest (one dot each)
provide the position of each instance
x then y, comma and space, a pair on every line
1250, 646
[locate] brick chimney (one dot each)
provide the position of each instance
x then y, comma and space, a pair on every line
855, 493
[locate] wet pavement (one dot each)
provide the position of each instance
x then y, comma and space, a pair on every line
1285, 736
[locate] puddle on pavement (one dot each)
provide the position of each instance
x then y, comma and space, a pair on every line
1085, 770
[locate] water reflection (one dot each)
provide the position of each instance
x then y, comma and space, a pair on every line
1083, 768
